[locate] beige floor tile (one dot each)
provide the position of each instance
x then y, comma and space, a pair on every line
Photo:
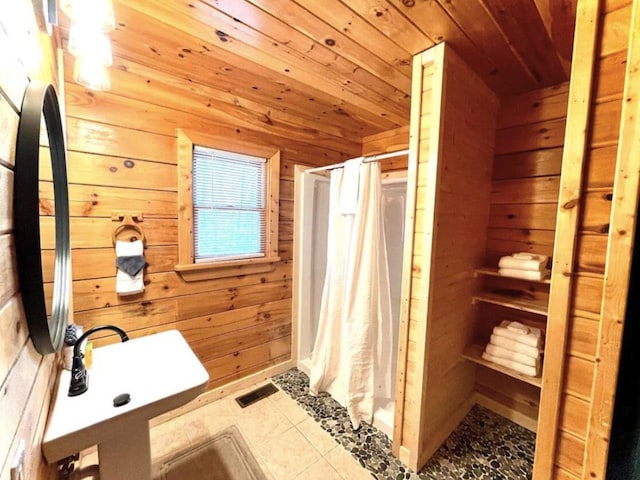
168, 437
290, 409
285, 440
208, 420
321, 440
231, 405
347, 466
287, 455
261, 422
321, 470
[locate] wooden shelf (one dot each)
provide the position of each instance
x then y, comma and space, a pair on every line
474, 354
493, 272
530, 305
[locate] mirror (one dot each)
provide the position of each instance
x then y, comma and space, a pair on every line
47, 332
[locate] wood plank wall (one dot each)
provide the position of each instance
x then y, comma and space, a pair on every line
461, 207
524, 197
26, 377
385, 142
411, 355
585, 321
122, 156
526, 173
449, 214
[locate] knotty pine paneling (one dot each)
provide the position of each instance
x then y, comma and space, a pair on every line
138, 114
524, 196
593, 228
99, 201
389, 141
569, 452
116, 141
302, 61
528, 164
123, 157
100, 292
26, 378
247, 79
249, 360
575, 416
526, 173
448, 242
118, 171
97, 263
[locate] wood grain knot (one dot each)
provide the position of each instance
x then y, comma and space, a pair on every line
221, 36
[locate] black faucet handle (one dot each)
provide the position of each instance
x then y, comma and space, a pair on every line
79, 380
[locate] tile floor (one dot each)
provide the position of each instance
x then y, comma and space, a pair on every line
273, 427
484, 446
295, 436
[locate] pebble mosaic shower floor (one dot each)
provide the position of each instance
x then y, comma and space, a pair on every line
484, 446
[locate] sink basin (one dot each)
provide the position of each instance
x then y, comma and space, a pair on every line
160, 372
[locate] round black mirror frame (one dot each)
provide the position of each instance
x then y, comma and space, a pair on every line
40, 101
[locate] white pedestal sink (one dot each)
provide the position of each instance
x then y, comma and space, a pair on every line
159, 371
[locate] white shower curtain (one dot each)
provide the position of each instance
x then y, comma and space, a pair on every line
352, 353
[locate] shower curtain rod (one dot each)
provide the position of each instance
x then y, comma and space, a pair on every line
371, 158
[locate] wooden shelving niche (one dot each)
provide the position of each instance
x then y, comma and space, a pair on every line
517, 299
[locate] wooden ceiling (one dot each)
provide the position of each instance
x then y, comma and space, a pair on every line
337, 68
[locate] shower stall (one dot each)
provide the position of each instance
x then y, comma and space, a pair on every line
312, 217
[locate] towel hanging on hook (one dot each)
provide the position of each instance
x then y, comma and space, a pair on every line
130, 261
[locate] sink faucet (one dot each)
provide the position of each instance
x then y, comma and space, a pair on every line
79, 383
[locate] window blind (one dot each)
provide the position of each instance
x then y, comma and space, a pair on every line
228, 205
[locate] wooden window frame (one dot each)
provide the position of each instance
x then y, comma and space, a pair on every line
187, 268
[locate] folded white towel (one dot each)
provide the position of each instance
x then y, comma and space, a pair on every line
349, 188
128, 285
524, 274
518, 328
129, 249
515, 346
536, 264
531, 256
497, 351
532, 339
524, 256
518, 367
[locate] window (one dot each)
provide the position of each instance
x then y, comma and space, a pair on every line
228, 205
228, 208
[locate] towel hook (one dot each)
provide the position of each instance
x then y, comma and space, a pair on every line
128, 222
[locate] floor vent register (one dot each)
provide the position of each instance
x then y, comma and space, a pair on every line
256, 395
